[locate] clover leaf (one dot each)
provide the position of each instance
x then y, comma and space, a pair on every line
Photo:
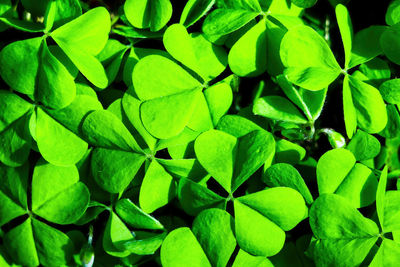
179, 93
341, 231
57, 196
351, 180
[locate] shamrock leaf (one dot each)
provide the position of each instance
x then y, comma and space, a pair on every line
262, 217
232, 160
351, 180
344, 235
178, 93
46, 127
103, 129
210, 243
366, 106
57, 196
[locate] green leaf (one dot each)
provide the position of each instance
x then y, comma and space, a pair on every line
195, 10
393, 13
72, 116
369, 105
391, 214
350, 114
13, 192
216, 152
377, 71
177, 111
282, 205
255, 233
157, 189
344, 236
390, 91
355, 182
214, 229
248, 56
304, 3
278, 108
366, 45
174, 94
392, 127
136, 217
21, 244
340, 160
390, 43
211, 59
57, 194
308, 59
310, 102
283, 174
346, 31
103, 129
180, 248
221, 22
34, 241
231, 161
49, 132
145, 243
201, 56
245, 259
288, 152
176, 39
66, 11
20, 64
387, 255
148, 14
219, 99
253, 5
236, 125
195, 197
380, 197
56, 87
16, 142
115, 232
364, 146
113, 170
82, 39
167, 78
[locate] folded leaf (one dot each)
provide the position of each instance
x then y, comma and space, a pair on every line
148, 14
283, 174
278, 108
83, 38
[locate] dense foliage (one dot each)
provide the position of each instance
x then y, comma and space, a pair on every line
199, 133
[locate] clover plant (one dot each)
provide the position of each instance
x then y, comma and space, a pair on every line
199, 133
